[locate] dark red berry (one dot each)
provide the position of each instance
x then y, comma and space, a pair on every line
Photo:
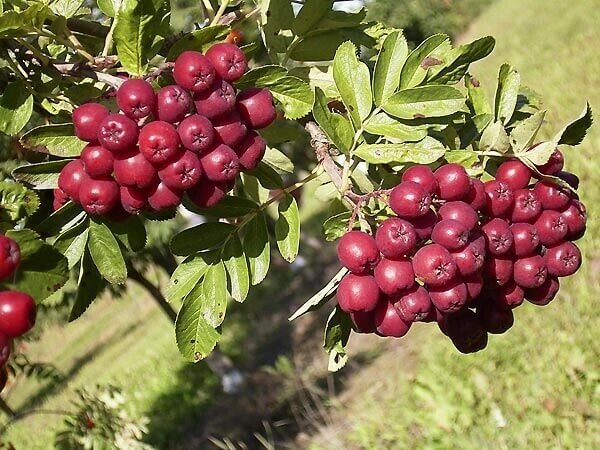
500, 198
461, 212
453, 181
4, 351
563, 260
218, 100
394, 276
409, 200
514, 173
424, 225
509, 295
182, 173
530, 272
414, 305
450, 234
193, 71
251, 151
364, 322
495, 319
474, 284
87, 119
10, 257
162, 197
99, 196
476, 197
358, 293
388, 322
466, 331
527, 207
471, 258
133, 200
229, 129
132, 169
60, 199
196, 133
358, 252
551, 196
575, 216
136, 98
71, 178
97, 161
118, 133
221, 163
228, 60
543, 294
422, 175
17, 313
498, 270
173, 103
256, 107
208, 193
159, 142
525, 239
551, 227
434, 265
450, 297
498, 237
395, 238
554, 164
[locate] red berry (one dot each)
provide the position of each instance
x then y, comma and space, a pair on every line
17, 313
358, 293
414, 305
563, 260
10, 257
208, 193
193, 71
251, 150
133, 200
196, 133
476, 197
229, 129
434, 265
60, 199
500, 198
575, 216
256, 107
161, 197
525, 239
97, 161
99, 196
221, 163
453, 181
364, 322
474, 284
394, 276
527, 207
181, 173
422, 175
395, 238
530, 272
228, 60
409, 200
461, 212
159, 141
514, 173
450, 234
551, 227
450, 297
132, 169
551, 196
543, 294
136, 98
554, 164
118, 133
173, 103
87, 119
498, 237
215, 102
4, 351
424, 225
358, 252
466, 331
495, 319
471, 258
498, 270
510, 295
388, 322
71, 178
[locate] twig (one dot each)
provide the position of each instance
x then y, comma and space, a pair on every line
162, 68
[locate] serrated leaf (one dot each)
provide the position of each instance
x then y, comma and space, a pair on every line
16, 105
574, 132
72, 243
337, 128
267, 176
459, 60
89, 286
17, 201
257, 248
353, 82
106, 253
383, 125
310, 15
42, 175
109, 7
318, 76
198, 40
261, 76
214, 294
187, 275
507, 92
278, 160
494, 138
477, 96
287, 228
391, 59
201, 237
337, 333
56, 139
524, 134
466, 158
422, 58
423, 152
321, 297
196, 338
295, 96
230, 206
60, 220
425, 101
336, 226
237, 269
131, 232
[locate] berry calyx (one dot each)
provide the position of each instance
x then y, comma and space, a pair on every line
194, 72
182, 173
530, 272
395, 238
228, 60
434, 265
159, 141
196, 133
118, 133
173, 103
563, 260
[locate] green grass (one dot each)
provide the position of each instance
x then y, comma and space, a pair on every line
538, 386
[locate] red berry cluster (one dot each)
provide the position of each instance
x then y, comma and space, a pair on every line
17, 309
194, 136
462, 253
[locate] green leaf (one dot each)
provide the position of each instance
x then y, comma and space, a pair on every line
425, 101
57, 140
237, 269
61, 220
187, 275
109, 7
321, 297
507, 92
353, 82
323, 44
106, 253
473, 128
267, 176
278, 160
29, 241
276, 20
257, 248
66, 8
201, 237
337, 128
524, 134
424, 152
16, 201
196, 338
318, 76
89, 285
135, 31
422, 58
391, 59
214, 293
574, 132
72, 243
20, 23
131, 232
466, 158
295, 96
230, 206
336, 226
42, 175
16, 107
254, 190
198, 40
383, 125
310, 15
477, 96
263, 76
337, 333
494, 138
287, 228
459, 60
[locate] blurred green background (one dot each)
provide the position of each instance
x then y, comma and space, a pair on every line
538, 386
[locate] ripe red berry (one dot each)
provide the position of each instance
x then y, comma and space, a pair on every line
229, 129
500, 198
136, 98
474, 284
10, 257
173, 103
498, 237
466, 331
118, 133
133, 199
17, 313
97, 161
414, 305
476, 197
450, 234
424, 225
471, 258
358, 252
514, 173
208, 193
394, 276
495, 319
570, 178
450, 297
388, 322
364, 322
60, 199
358, 293
461, 212
453, 181
527, 207
409, 200
554, 164
422, 175
256, 107
563, 260
525, 239
530, 272
575, 216
543, 294
159, 141
181, 173
434, 265
251, 150
162, 197
218, 100
87, 119
551, 227
395, 238
221, 163
193, 71
99, 196
509, 295
4, 351
228, 60
498, 270
71, 177
132, 169
551, 196
196, 133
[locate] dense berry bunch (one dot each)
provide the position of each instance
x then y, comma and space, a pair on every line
191, 137
17, 309
462, 252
